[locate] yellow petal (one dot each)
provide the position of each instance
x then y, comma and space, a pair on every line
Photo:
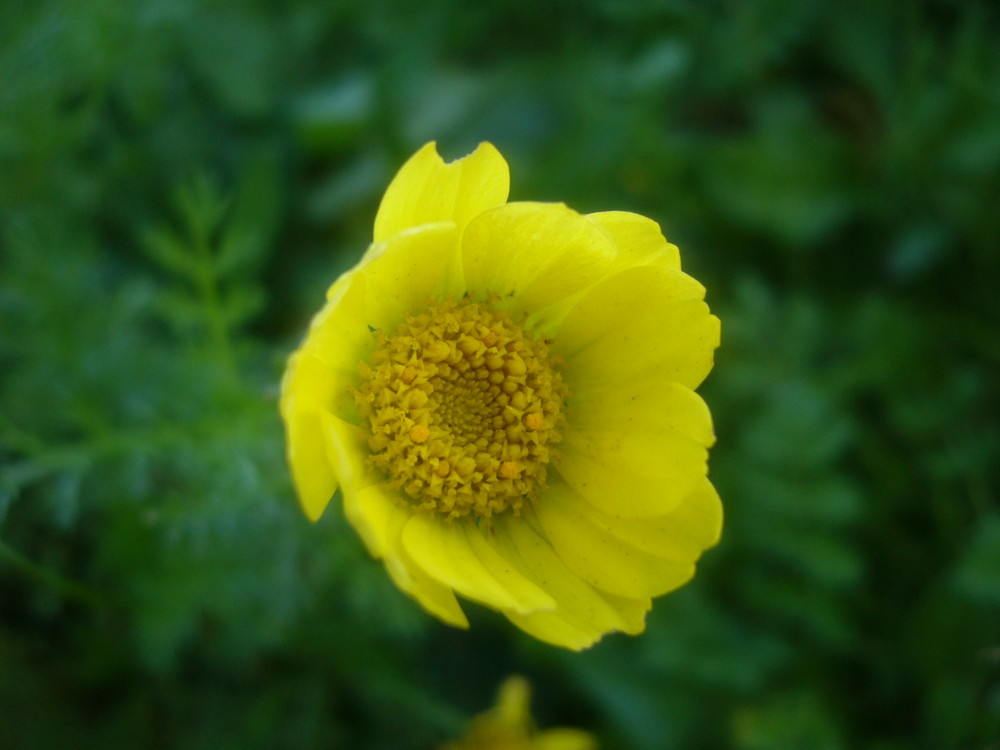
582, 615
339, 335
459, 555
306, 385
376, 507
416, 266
365, 506
370, 506
536, 253
435, 597
645, 322
600, 558
306, 389
348, 448
637, 449
314, 480
638, 239
380, 519
482, 541
632, 612
317, 380
563, 738
427, 190
682, 535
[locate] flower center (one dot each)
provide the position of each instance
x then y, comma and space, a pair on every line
463, 408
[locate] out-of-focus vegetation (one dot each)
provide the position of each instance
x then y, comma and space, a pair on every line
179, 182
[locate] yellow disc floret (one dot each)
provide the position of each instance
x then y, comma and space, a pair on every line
463, 408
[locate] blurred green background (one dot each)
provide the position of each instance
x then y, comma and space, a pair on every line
180, 181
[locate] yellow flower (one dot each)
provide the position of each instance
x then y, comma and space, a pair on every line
508, 726
503, 393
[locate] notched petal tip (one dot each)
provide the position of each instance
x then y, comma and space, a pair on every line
427, 189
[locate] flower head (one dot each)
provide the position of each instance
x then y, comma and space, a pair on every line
508, 726
503, 393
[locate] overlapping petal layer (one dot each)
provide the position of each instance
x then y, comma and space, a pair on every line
582, 614
638, 240
645, 322
636, 449
623, 556
549, 252
466, 558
